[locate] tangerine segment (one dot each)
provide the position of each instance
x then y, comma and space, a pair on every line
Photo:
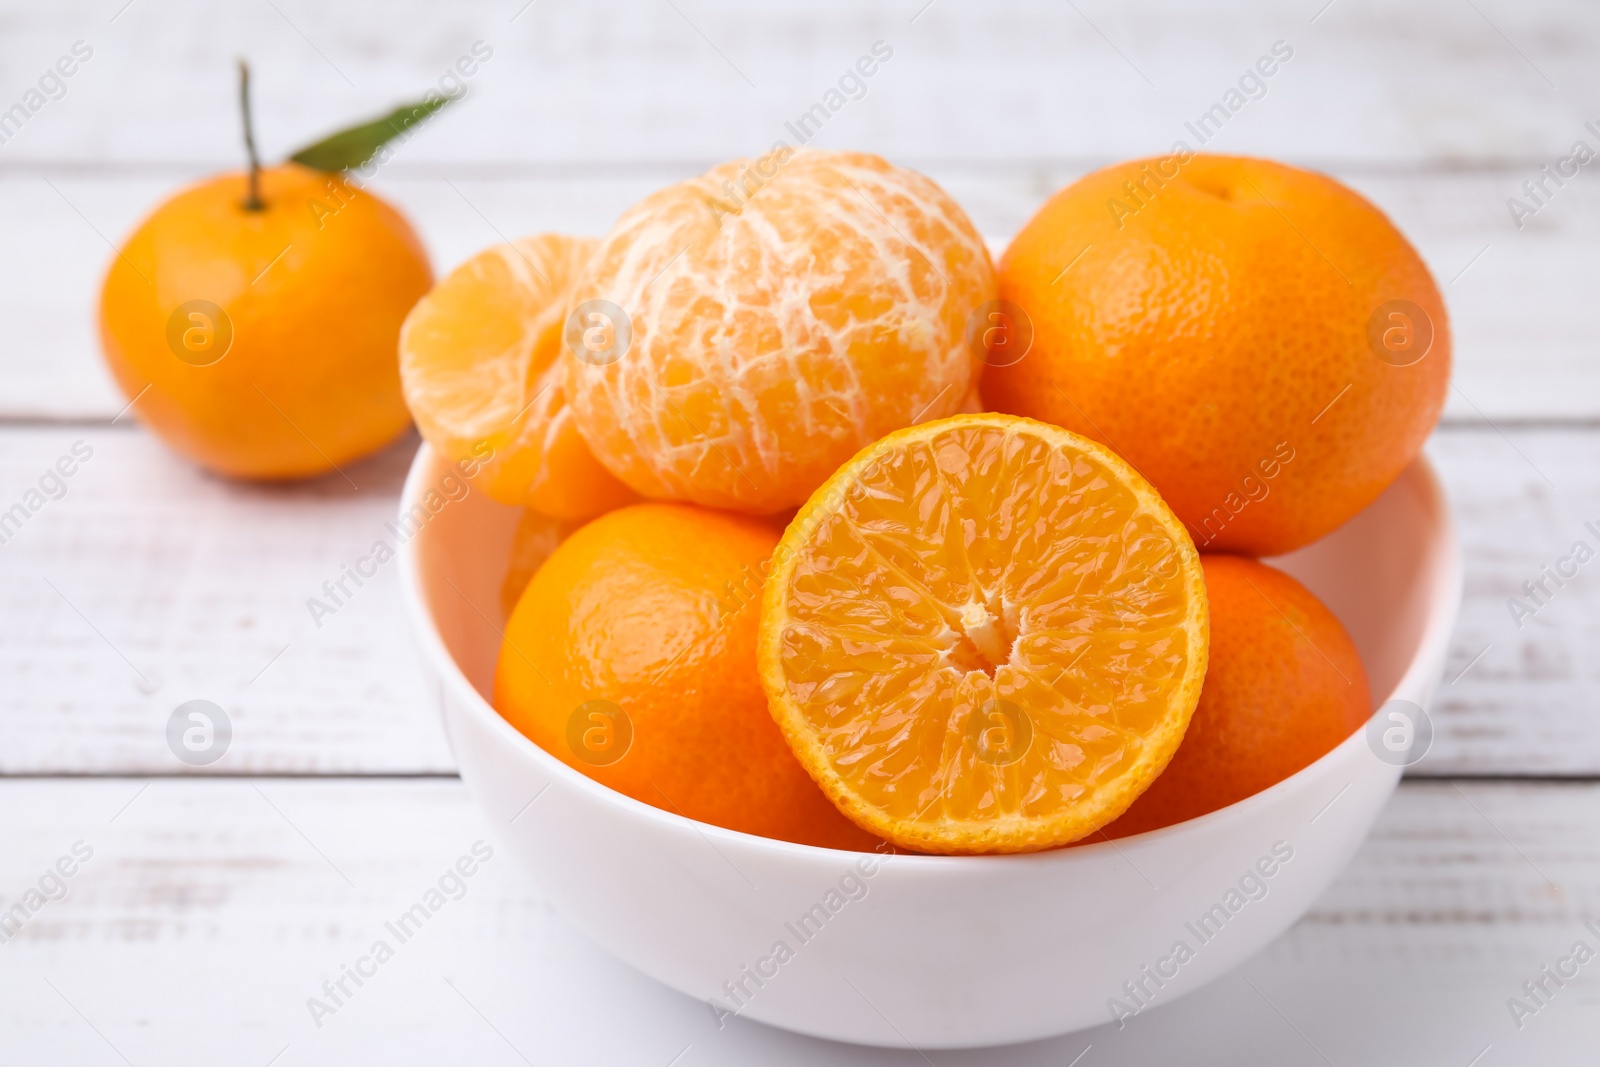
985, 634
784, 312
478, 363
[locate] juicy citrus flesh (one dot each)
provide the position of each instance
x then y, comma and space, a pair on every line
785, 312
1284, 686
478, 361
984, 634
1224, 323
311, 289
653, 610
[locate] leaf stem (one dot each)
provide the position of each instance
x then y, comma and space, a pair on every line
253, 201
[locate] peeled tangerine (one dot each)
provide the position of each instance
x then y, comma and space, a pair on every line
985, 634
784, 312
478, 365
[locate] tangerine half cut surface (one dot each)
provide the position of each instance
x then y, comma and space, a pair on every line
984, 634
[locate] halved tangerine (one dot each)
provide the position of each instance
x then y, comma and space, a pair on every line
984, 634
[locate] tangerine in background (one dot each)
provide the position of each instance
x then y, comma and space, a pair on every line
631, 657
1258, 340
1285, 686
260, 342
781, 314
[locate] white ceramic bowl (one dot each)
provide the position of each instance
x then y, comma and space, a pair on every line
933, 951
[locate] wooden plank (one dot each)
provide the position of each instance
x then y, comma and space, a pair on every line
1518, 302
232, 901
149, 584
200, 583
1523, 500
1427, 80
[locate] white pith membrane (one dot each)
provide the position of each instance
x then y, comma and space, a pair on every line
988, 571
754, 312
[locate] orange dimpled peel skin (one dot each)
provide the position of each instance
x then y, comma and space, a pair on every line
1285, 686
251, 319
259, 342
631, 657
1258, 340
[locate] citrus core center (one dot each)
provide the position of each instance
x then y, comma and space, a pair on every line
985, 640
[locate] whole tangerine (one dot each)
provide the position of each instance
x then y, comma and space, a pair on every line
1260, 341
1284, 686
631, 657
260, 341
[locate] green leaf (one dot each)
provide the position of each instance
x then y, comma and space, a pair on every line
349, 149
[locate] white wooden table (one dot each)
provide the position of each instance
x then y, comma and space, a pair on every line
216, 900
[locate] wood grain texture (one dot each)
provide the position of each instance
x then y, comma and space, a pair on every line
1437, 110
211, 911
212, 908
150, 584
1427, 81
1523, 500
1518, 299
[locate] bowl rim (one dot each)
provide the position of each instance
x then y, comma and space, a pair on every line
1443, 607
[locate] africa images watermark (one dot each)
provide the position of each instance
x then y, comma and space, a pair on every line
52, 885
1553, 577
51, 86
852, 85
1539, 191
752, 978
1252, 85
1251, 489
1540, 990
199, 732
453, 487
743, 588
1251, 886
450, 886
52, 485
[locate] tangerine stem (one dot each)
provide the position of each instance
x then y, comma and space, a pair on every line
253, 201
